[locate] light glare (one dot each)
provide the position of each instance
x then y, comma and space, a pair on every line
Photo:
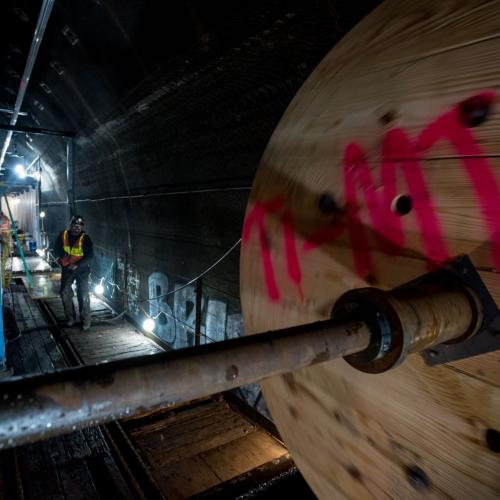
20, 171
99, 289
42, 215
149, 324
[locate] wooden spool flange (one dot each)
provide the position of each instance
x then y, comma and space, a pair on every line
385, 165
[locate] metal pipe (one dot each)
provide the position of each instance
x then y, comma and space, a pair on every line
43, 19
197, 323
153, 195
413, 318
70, 176
36, 159
11, 112
47, 405
36, 131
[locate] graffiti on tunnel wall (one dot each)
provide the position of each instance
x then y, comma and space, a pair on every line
176, 313
398, 151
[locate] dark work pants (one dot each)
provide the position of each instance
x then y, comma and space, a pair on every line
82, 293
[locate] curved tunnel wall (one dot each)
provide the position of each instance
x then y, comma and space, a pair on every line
164, 168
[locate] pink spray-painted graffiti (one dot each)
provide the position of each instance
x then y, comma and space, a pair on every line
256, 219
398, 152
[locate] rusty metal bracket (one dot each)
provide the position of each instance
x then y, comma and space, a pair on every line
488, 337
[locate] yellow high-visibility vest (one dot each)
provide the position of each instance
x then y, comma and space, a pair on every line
72, 254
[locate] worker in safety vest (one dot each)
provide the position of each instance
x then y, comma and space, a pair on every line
74, 251
5, 232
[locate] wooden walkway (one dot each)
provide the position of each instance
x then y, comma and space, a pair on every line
35, 350
198, 448
106, 340
77, 465
103, 343
202, 448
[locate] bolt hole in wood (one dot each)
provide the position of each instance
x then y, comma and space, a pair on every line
417, 478
402, 204
493, 440
387, 118
475, 110
327, 204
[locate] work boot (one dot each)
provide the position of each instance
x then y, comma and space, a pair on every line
70, 322
86, 325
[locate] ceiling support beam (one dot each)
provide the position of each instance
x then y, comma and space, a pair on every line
36, 131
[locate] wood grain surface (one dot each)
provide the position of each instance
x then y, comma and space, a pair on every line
406, 104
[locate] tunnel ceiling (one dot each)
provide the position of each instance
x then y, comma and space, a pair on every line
166, 98
95, 52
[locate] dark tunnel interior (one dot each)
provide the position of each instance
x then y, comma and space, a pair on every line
171, 105
234, 175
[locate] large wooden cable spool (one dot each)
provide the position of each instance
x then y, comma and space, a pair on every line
385, 165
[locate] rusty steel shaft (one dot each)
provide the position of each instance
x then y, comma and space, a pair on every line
42, 406
372, 329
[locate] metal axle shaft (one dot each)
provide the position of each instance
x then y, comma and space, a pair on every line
42, 406
372, 329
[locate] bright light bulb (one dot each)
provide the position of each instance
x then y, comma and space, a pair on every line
149, 324
20, 171
99, 289
42, 215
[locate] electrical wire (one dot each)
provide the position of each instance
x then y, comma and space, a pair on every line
197, 277
133, 301
190, 282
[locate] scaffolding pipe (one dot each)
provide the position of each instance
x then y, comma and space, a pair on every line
42, 406
70, 176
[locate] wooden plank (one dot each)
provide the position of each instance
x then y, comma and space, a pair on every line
485, 367
108, 342
40, 478
77, 481
23, 312
52, 349
161, 449
95, 441
115, 486
44, 286
39, 349
180, 416
76, 446
243, 454
177, 433
185, 479
416, 32
31, 362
